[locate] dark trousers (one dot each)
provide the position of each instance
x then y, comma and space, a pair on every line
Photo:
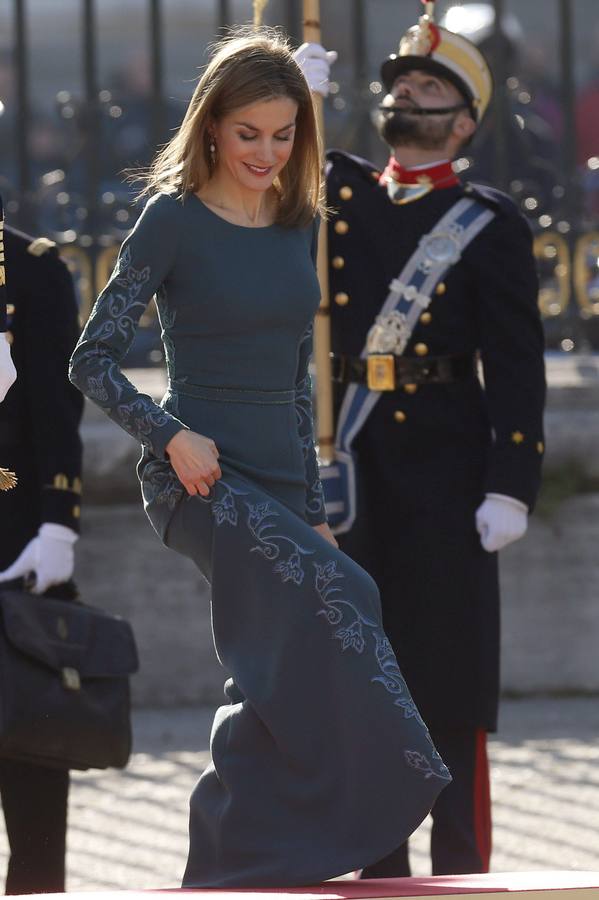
461, 831
34, 801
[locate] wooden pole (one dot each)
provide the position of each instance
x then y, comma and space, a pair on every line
322, 327
259, 7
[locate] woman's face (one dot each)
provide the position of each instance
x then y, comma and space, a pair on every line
253, 143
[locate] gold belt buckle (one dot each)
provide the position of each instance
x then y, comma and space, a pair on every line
380, 372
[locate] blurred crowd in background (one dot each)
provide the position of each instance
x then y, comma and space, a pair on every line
540, 141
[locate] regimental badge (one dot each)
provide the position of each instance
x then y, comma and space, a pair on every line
441, 248
389, 334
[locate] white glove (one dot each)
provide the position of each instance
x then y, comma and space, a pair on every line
315, 63
50, 556
500, 520
8, 373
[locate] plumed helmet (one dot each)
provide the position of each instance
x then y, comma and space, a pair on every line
435, 49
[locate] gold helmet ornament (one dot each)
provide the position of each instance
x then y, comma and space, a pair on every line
435, 49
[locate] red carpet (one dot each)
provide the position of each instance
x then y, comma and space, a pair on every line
530, 885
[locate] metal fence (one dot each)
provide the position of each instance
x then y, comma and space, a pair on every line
90, 87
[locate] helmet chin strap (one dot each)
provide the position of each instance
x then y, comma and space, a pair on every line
421, 111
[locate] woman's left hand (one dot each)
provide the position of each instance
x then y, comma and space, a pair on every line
326, 532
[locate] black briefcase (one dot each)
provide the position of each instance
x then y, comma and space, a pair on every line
64, 683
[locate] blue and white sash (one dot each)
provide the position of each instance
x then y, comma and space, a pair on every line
409, 294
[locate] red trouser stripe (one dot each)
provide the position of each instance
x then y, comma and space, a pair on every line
482, 800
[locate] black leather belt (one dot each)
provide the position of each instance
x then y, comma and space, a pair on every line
408, 370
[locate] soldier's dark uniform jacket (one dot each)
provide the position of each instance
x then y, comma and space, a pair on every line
40, 415
2, 273
429, 453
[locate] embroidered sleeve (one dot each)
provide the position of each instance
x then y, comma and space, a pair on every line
315, 513
144, 262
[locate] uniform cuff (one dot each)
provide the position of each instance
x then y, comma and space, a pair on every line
63, 507
513, 501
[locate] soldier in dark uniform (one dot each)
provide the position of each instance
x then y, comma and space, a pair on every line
446, 471
39, 518
7, 368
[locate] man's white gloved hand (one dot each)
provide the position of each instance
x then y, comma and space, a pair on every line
49, 556
315, 62
8, 373
500, 520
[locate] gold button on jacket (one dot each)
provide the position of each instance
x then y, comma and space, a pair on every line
399, 415
421, 349
341, 227
341, 299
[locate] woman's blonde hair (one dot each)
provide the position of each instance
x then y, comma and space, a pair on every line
246, 67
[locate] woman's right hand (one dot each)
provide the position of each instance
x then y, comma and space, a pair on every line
195, 461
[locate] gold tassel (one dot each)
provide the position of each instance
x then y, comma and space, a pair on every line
259, 7
8, 480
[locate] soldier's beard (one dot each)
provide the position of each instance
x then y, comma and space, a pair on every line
400, 129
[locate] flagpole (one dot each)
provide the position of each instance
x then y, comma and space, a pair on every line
322, 327
259, 7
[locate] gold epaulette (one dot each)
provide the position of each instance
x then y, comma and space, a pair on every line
40, 246
8, 480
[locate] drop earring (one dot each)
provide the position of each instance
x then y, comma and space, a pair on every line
212, 149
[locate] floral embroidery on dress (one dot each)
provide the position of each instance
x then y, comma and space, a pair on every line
167, 322
161, 485
95, 388
352, 623
105, 341
258, 522
140, 418
352, 636
113, 309
337, 611
422, 764
351, 627
291, 569
261, 519
305, 427
315, 499
224, 508
391, 677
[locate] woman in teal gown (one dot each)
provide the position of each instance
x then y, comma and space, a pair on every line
321, 763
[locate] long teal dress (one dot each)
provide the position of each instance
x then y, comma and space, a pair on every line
321, 763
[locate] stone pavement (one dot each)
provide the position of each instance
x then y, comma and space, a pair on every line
129, 829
